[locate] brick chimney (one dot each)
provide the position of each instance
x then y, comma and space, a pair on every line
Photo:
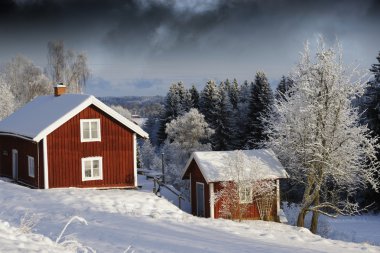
59, 89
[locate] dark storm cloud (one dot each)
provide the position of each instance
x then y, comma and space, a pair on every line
189, 40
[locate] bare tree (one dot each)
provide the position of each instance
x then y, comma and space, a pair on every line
67, 67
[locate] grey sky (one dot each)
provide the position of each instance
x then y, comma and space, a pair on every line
141, 47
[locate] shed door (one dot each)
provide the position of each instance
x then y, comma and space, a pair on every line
15, 164
200, 191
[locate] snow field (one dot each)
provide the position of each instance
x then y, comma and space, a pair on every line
118, 219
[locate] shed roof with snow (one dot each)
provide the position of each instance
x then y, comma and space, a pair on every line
215, 166
44, 114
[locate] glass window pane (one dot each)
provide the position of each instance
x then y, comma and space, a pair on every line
94, 129
87, 168
86, 130
96, 172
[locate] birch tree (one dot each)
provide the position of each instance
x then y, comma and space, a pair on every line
314, 129
67, 66
7, 100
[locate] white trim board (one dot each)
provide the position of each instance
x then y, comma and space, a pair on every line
212, 204
135, 158
46, 168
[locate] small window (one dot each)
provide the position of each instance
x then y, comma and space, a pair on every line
92, 168
245, 194
31, 166
90, 130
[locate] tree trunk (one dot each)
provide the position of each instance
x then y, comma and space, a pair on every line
314, 218
314, 222
301, 218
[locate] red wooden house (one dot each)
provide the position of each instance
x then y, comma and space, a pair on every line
69, 140
207, 170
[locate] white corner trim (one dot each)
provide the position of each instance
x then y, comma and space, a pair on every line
212, 204
46, 169
135, 159
278, 195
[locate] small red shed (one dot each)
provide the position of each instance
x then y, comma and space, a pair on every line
209, 169
69, 140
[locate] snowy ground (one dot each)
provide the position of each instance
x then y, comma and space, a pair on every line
118, 219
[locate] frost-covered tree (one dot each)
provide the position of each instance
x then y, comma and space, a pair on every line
261, 100
7, 100
174, 107
244, 187
148, 157
240, 117
194, 97
67, 66
283, 87
123, 111
224, 134
233, 93
25, 80
186, 134
317, 136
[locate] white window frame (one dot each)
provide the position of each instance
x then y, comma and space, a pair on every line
93, 158
89, 121
245, 194
31, 167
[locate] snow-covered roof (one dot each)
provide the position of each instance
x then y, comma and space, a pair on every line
215, 166
44, 114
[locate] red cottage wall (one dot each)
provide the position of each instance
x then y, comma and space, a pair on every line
25, 148
65, 151
196, 176
252, 210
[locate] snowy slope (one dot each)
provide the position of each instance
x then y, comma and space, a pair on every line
118, 219
12, 240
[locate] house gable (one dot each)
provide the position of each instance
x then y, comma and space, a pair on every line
65, 152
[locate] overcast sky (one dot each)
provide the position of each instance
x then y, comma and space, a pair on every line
141, 47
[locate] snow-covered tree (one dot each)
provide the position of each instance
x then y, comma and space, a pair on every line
67, 66
233, 94
209, 103
244, 188
7, 100
148, 156
283, 87
261, 100
224, 134
186, 134
240, 116
317, 136
25, 80
174, 107
122, 110
194, 97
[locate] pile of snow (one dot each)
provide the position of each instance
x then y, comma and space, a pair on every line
14, 240
139, 220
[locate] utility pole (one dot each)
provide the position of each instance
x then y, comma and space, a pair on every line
163, 168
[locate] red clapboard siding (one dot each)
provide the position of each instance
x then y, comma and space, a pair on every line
196, 176
65, 151
24, 148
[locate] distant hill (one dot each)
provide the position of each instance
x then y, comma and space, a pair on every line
144, 106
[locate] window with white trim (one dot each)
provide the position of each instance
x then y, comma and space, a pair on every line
90, 130
245, 194
92, 168
31, 166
